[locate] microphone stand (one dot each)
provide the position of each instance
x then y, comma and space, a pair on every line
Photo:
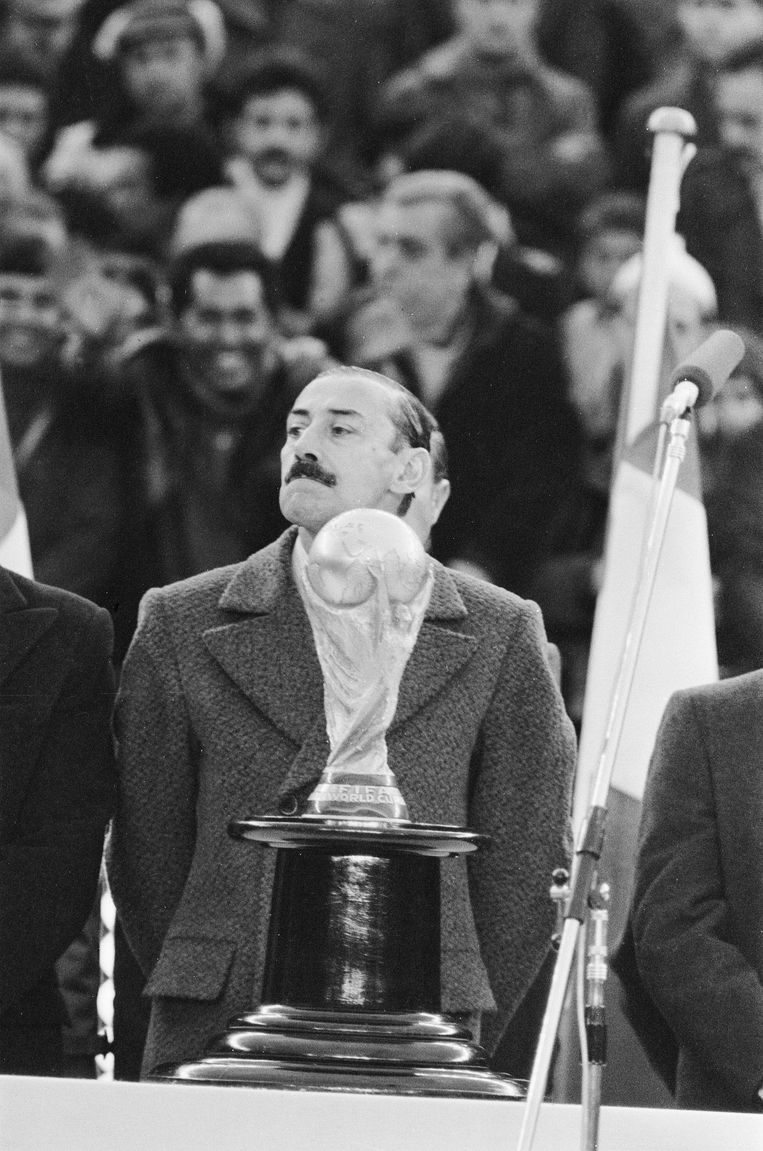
591, 840
595, 1016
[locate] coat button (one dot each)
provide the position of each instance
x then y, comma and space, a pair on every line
288, 805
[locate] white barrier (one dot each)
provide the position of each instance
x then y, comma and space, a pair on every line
80, 1115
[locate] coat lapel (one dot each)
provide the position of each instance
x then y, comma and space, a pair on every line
440, 652
268, 651
20, 626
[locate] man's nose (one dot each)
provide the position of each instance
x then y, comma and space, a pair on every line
307, 446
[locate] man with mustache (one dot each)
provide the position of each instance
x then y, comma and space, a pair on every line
221, 715
277, 111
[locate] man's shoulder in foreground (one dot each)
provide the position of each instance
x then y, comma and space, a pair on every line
19, 593
209, 587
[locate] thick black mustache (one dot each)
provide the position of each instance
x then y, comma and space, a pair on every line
311, 471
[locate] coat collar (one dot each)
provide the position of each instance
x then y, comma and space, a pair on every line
268, 651
21, 626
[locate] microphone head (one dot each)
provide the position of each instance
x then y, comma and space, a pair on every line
711, 365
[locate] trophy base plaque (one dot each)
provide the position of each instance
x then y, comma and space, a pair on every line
351, 991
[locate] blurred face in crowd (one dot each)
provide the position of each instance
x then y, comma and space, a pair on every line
165, 78
224, 334
42, 30
502, 28
714, 28
739, 100
343, 451
415, 264
23, 116
735, 408
126, 188
279, 133
602, 256
30, 320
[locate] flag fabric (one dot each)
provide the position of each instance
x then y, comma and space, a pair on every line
14, 538
678, 643
677, 650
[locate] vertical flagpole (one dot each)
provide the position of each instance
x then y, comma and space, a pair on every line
672, 127
670, 155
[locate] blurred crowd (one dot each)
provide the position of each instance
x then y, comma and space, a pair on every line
203, 204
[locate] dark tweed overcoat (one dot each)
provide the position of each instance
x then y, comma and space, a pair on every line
57, 792
220, 716
697, 912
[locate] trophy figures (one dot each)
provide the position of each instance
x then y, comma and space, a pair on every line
351, 989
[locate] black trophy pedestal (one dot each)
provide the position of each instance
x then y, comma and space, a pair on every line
351, 992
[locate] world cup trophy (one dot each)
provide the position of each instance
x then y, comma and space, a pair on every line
366, 585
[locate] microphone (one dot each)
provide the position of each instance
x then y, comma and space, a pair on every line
695, 381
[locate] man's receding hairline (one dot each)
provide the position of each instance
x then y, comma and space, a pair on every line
367, 375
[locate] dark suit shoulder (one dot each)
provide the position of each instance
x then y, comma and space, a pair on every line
737, 697
73, 609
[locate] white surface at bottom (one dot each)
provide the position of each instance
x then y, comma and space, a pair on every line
78, 1115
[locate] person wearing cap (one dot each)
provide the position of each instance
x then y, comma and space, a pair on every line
165, 52
490, 375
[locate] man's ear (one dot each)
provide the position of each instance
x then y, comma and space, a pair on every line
440, 496
413, 472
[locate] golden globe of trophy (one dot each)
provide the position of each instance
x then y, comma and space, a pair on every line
351, 988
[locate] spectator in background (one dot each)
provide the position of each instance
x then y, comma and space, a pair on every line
24, 106
545, 121
277, 128
609, 232
164, 54
533, 277
67, 463
605, 43
490, 375
722, 194
732, 446
707, 33
128, 197
41, 31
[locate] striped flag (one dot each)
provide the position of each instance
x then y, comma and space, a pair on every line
14, 538
677, 650
678, 646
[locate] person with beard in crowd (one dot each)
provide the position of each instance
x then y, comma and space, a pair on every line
277, 126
